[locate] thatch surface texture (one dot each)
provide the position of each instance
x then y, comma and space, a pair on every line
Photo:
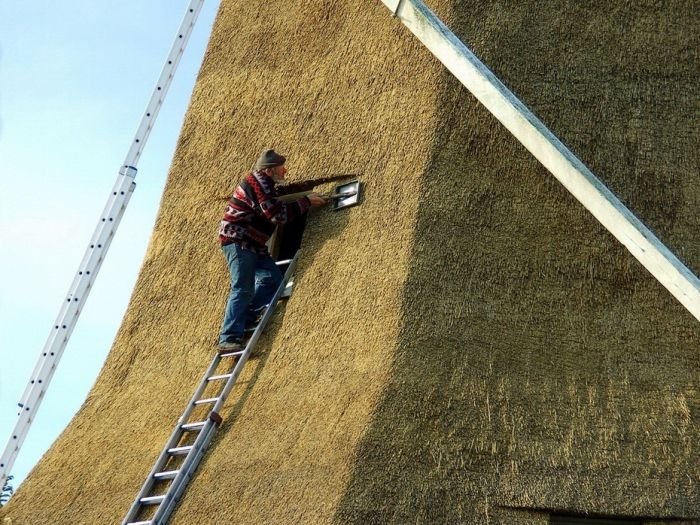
539, 365
467, 346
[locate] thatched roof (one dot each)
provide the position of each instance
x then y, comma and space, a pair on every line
468, 345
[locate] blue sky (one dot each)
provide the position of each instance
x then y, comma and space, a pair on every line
75, 78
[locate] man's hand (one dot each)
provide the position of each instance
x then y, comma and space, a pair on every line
316, 200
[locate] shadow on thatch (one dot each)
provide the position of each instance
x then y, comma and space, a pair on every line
467, 340
538, 366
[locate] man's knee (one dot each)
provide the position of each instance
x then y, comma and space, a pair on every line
269, 279
242, 293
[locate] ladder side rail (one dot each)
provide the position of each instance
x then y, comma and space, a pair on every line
189, 466
546, 148
32, 396
121, 193
150, 479
172, 441
256, 335
187, 470
65, 323
164, 81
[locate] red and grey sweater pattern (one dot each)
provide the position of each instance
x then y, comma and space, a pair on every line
254, 211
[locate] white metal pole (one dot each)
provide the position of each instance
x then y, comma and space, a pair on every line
95, 253
546, 148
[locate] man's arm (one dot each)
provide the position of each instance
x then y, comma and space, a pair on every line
272, 208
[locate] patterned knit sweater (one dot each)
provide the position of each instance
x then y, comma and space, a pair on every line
254, 211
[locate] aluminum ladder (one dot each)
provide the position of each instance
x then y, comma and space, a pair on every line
161, 503
96, 252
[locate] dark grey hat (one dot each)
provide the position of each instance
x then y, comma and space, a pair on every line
269, 159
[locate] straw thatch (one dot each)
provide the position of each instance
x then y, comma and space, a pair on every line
468, 345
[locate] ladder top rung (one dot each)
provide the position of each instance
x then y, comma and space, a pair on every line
216, 378
168, 474
199, 425
153, 500
206, 401
179, 451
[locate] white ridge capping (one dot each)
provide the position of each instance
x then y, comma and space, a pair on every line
544, 145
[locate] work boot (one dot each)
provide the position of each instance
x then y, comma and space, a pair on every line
254, 319
228, 347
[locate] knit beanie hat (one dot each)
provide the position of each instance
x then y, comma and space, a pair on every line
269, 159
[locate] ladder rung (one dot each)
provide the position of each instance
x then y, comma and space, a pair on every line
199, 425
168, 474
139, 523
179, 451
216, 378
153, 500
206, 401
232, 354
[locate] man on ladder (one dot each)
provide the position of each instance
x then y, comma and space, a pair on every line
250, 219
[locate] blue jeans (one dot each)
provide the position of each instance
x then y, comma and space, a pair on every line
254, 281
